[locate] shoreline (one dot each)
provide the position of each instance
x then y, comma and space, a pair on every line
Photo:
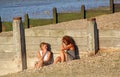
39, 11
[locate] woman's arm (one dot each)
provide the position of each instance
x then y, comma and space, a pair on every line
70, 46
38, 56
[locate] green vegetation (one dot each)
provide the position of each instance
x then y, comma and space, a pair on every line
93, 13
7, 26
62, 17
40, 22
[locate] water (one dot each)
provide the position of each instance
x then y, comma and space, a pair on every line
43, 8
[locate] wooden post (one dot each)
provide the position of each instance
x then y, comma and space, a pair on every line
26, 21
83, 12
19, 40
55, 16
112, 6
93, 38
0, 25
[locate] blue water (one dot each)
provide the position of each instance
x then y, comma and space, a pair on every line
43, 8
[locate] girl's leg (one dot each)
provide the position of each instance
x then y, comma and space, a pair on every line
36, 65
58, 59
39, 64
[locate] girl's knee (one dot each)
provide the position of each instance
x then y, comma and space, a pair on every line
58, 58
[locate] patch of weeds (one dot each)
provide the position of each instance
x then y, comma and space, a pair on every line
119, 57
117, 60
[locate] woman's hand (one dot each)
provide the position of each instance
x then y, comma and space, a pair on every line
40, 59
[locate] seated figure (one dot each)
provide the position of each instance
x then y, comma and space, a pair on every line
67, 51
43, 55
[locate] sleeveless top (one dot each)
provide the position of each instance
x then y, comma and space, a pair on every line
70, 55
46, 55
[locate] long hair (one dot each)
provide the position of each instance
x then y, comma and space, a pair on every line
67, 39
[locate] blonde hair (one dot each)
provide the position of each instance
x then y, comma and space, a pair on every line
42, 43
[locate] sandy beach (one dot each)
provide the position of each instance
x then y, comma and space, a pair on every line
106, 63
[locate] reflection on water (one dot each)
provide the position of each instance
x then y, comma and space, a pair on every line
43, 8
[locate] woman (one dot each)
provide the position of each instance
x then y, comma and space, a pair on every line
67, 50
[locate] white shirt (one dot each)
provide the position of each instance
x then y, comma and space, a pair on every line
46, 55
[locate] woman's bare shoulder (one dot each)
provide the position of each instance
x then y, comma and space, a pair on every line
49, 52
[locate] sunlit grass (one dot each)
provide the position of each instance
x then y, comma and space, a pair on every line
40, 22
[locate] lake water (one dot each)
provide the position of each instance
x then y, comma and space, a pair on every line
43, 8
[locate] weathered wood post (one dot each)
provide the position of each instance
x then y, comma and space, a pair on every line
83, 12
93, 37
26, 21
19, 40
0, 25
112, 6
55, 16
